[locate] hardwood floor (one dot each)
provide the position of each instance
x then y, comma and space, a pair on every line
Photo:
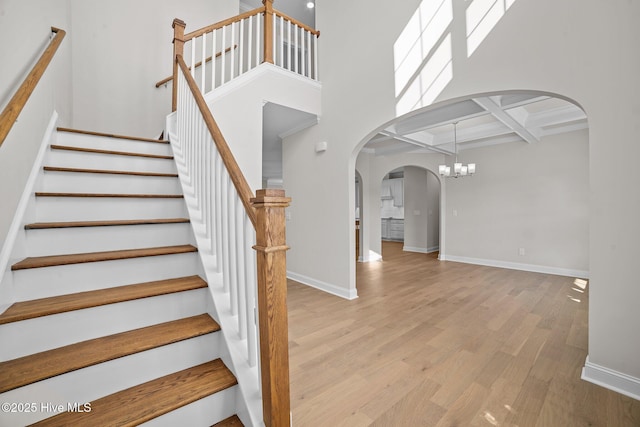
431, 343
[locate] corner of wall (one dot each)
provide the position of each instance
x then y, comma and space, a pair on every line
611, 379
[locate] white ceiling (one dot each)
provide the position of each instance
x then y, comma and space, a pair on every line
482, 121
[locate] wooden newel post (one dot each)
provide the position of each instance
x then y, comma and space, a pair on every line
272, 304
268, 31
178, 49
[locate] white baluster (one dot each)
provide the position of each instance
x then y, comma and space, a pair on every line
288, 45
242, 281
251, 289
308, 53
224, 54
249, 47
296, 49
303, 63
214, 59
315, 57
193, 57
281, 42
231, 253
232, 52
258, 40
241, 48
218, 196
203, 74
225, 231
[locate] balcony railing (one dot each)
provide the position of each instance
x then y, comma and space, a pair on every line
218, 53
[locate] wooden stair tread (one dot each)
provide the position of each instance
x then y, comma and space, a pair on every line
232, 421
36, 367
111, 135
149, 400
72, 224
114, 152
64, 303
118, 195
55, 260
106, 171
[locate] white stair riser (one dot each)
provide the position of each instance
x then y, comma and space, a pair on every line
78, 159
93, 382
56, 241
201, 413
107, 208
73, 182
113, 144
45, 282
48, 332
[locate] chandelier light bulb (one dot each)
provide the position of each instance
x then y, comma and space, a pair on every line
458, 168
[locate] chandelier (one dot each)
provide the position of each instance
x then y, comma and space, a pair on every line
458, 168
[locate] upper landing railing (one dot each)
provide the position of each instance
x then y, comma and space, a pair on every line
11, 112
220, 52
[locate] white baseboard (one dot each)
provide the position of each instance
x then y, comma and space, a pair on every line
421, 250
583, 274
613, 380
349, 294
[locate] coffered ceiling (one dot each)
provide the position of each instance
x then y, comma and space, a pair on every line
482, 121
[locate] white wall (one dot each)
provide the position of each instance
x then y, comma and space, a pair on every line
422, 210
25, 28
533, 197
538, 45
121, 49
237, 109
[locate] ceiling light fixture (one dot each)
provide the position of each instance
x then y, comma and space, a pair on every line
458, 168
311, 5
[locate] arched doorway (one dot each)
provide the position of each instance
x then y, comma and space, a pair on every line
510, 135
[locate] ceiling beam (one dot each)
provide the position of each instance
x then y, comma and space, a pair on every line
415, 142
504, 117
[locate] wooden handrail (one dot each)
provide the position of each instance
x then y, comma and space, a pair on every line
267, 214
238, 179
218, 25
298, 23
198, 64
20, 98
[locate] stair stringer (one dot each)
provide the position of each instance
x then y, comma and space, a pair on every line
14, 247
234, 352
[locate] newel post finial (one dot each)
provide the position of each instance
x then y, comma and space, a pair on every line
178, 49
268, 31
272, 305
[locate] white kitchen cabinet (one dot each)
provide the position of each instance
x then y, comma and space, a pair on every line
392, 229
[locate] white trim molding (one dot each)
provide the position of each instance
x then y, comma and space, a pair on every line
421, 250
558, 271
13, 235
610, 379
349, 294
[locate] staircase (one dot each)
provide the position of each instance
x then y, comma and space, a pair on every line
114, 323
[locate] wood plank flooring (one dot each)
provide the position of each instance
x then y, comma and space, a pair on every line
431, 343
